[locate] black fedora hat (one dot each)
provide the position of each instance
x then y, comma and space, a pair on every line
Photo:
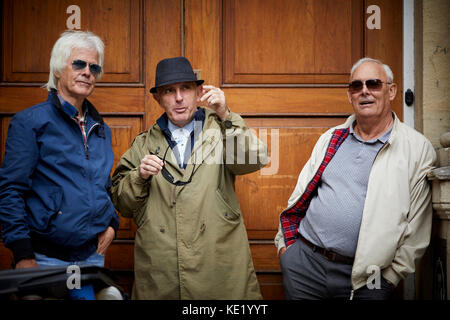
173, 70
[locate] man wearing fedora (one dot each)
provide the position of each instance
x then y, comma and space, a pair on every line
177, 182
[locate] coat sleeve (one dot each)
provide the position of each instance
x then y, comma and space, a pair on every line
21, 157
114, 223
416, 237
279, 239
129, 191
244, 152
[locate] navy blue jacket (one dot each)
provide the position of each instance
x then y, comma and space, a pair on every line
54, 189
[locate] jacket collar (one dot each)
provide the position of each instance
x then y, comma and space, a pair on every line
70, 110
163, 123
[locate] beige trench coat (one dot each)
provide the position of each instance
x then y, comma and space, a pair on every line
191, 241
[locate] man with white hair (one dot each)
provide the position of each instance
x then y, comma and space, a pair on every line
360, 214
55, 206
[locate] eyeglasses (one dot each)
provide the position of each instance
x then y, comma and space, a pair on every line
371, 84
95, 69
166, 174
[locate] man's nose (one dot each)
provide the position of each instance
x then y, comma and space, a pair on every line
178, 95
365, 90
86, 71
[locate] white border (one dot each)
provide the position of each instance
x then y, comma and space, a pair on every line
409, 288
408, 59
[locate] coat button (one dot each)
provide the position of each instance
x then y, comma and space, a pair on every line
228, 124
59, 212
162, 230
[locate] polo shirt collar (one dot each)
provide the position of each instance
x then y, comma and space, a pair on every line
383, 138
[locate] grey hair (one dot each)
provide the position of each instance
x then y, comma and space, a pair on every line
386, 68
63, 49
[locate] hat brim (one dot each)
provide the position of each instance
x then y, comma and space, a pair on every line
153, 90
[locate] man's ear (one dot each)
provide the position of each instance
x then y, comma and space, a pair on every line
156, 97
349, 95
392, 91
199, 93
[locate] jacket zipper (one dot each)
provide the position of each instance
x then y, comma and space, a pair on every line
86, 147
86, 150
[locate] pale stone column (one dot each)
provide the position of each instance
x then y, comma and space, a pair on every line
440, 178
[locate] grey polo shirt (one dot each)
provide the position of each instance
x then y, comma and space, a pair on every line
334, 215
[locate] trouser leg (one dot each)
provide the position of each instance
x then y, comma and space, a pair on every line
303, 276
308, 275
382, 292
340, 285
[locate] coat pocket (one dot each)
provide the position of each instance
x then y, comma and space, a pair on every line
44, 203
231, 213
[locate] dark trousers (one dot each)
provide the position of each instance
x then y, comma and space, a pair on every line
307, 275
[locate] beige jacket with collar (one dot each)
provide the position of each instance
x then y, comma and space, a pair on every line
396, 223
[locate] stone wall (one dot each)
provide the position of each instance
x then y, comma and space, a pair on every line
432, 118
432, 68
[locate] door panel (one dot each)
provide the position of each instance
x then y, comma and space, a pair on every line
123, 131
271, 102
117, 22
281, 42
264, 194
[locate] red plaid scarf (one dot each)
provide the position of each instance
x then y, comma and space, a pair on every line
291, 218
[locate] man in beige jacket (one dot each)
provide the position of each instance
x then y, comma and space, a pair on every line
176, 181
360, 214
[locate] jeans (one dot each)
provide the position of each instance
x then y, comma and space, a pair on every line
94, 260
86, 292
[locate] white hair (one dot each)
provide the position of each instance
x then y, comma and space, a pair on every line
63, 49
386, 68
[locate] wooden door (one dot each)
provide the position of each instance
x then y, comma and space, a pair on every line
283, 65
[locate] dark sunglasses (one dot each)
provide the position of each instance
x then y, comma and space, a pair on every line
166, 174
95, 69
371, 84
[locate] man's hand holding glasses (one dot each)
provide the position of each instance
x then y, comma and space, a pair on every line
150, 165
